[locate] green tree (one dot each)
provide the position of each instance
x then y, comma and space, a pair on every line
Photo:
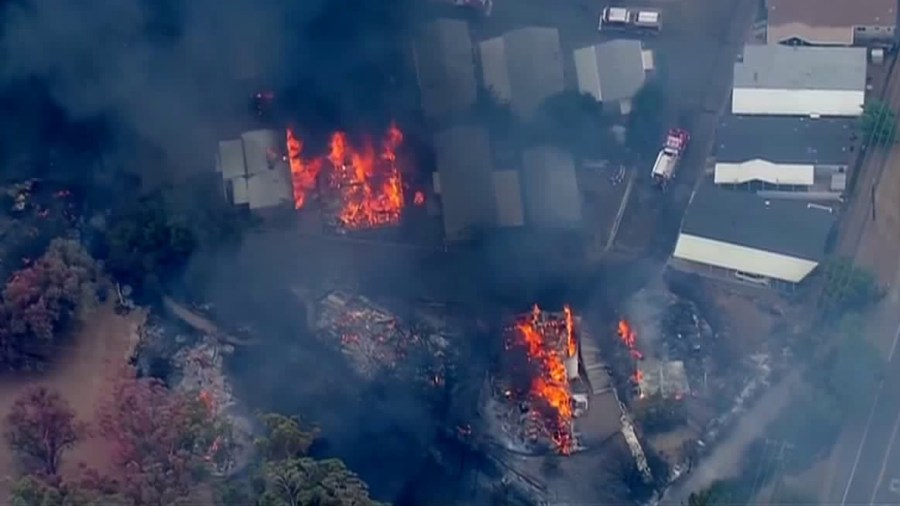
284, 438
646, 123
146, 245
574, 121
878, 124
50, 491
844, 287
305, 481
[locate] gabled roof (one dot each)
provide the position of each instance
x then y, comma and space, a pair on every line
445, 65
464, 164
610, 71
833, 13
788, 227
785, 140
801, 68
552, 197
523, 67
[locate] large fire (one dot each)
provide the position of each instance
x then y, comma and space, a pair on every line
629, 338
367, 181
550, 385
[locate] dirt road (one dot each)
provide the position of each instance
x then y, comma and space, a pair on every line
81, 374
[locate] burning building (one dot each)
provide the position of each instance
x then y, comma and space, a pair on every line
537, 392
253, 171
360, 186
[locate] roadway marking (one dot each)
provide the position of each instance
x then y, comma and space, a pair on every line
884, 462
869, 422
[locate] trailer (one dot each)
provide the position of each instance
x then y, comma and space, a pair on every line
667, 160
635, 19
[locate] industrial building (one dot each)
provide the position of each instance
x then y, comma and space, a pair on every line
552, 196
613, 72
831, 22
789, 153
740, 236
523, 67
780, 80
445, 68
254, 171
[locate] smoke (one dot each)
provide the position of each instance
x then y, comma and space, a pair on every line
646, 310
178, 75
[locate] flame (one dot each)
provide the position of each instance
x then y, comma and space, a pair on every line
551, 384
303, 173
368, 183
571, 348
419, 198
629, 337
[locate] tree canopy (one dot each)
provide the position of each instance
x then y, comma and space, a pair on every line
41, 299
878, 124
845, 287
305, 481
41, 426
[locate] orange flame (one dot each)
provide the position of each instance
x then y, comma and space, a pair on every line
369, 183
570, 332
551, 385
303, 174
629, 337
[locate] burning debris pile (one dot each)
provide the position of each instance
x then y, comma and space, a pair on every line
377, 342
532, 398
363, 186
654, 375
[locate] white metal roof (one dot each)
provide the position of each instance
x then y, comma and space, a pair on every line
801, 68
552, 197
231, 159
765, 171
445, 67
508, 196
268, 189
239, 192
611, 71
257, 144
741, 258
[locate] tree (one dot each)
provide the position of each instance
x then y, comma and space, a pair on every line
39, 300
284, 438
305, 481
165, 441
878, 124
52, 491
41, 426
647, 119
845, 287
575, 121
146, 245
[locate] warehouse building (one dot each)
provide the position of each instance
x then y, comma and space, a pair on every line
523, 67
789, 153
552, 197
740, 236
831, 22
253, 171
445, 68
800, 81
613, 72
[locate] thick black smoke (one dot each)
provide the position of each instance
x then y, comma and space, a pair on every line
178, 74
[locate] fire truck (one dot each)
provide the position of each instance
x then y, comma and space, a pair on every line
624, 18
668, 157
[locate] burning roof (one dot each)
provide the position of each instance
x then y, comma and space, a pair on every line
544, 399
364, 182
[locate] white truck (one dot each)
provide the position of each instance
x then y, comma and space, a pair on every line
482, 6
625, 18
668, 157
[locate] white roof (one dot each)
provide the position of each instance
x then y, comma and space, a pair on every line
801, 68
268, 189
239, 192
551, 188
765, 171
231, 159
257, 144
741, 258
508, 196
611, 71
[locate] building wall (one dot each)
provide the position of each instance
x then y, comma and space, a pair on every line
765, 171
763, 101
741, 258
814, 35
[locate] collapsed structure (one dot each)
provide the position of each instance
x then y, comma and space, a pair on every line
377, 343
